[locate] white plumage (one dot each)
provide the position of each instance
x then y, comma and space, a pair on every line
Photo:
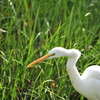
87, 84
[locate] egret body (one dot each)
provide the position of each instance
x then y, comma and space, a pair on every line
87, 84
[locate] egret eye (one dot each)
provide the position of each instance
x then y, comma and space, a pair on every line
53, 54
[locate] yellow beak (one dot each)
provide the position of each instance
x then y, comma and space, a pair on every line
40, 59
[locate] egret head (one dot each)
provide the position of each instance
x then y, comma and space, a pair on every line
56, 53
59, 52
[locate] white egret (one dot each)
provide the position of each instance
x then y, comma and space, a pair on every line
87, 84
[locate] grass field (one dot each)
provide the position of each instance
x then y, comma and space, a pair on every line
29, 29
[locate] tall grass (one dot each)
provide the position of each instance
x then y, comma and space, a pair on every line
29, 29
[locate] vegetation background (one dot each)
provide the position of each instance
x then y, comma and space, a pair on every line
29, 29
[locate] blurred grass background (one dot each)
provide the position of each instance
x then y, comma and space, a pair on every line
29, 29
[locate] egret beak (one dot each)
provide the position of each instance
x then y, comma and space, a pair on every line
40, 59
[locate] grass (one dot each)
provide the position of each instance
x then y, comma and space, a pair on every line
29, 29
